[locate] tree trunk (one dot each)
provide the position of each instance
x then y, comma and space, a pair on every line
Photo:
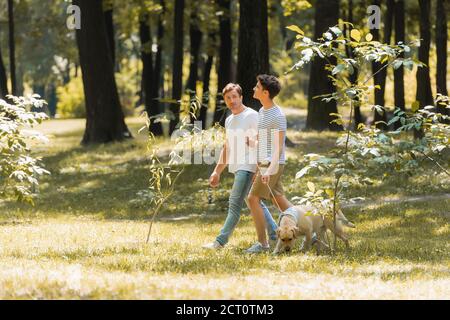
380, 77
206, 77
441, 52
318, 118
3, 78
156, 128
424, 94
399, 84
110, 33
148, 76
52, 99
225, 60
104, 116
12, 47
195, 36
358, 118
253, 50
177, 72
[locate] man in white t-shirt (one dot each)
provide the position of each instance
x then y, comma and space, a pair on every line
241, 160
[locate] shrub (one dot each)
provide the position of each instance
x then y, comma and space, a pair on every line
71, 99
19, 170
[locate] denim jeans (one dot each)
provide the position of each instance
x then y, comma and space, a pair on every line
239, 192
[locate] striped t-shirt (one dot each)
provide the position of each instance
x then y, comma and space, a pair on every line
270, 121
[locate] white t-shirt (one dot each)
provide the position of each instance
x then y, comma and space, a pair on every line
238, 128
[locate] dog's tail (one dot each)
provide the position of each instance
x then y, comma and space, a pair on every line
344, 220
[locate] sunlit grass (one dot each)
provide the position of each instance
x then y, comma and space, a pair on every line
85, 238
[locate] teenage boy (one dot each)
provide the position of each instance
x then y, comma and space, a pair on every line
271, 157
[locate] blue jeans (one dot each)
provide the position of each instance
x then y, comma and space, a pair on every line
239, 191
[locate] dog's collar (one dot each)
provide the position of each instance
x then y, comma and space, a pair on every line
290, 212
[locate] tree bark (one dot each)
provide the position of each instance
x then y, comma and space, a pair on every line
156, 128
148, 76
3, 78
318, 118
206, 78
12, 47
424, 94
195, 36
225, 59
441, 52
399, 84
104, 116
177, 72
253, 50
110, 32
353, 78
380, 77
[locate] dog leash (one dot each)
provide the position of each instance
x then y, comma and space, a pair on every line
270, 190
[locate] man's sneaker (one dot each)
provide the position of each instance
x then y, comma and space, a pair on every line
314, 239
257, 248
213, 245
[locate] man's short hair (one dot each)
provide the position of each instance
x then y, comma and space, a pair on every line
230, 87
270, 83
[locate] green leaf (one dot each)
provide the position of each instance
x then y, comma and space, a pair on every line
355, 35
415, 106
311, 186
338, 68
295, 29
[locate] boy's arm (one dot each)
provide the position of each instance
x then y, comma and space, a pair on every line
278, 142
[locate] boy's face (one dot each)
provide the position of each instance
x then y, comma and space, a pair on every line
259, 92
233, 100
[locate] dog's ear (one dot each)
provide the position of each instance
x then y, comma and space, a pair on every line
295, 232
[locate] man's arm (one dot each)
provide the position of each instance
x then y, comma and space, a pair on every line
220, 166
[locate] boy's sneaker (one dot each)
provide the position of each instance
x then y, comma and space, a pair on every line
257, 248
213, 245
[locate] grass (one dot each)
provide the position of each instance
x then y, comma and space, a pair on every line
85, 236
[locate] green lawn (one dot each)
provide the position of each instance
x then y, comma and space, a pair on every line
85, 237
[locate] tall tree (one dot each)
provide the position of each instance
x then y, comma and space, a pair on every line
206, 78
252, 59
177, 69
379, 68
195, 36
358, 118
104, 116
399, 84
424, 95
108, 13
225, 58
148, 76
12, 47
3, 78
318, 118
156, 87
441, 50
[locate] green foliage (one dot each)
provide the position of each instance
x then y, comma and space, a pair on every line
71, 99
292, 6
19, 170
359, 155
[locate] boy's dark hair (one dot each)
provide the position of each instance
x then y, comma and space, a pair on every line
270, 83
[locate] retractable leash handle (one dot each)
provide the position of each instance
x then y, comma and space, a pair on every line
270, 189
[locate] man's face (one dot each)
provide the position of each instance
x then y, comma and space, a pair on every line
233, 100
258, 91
